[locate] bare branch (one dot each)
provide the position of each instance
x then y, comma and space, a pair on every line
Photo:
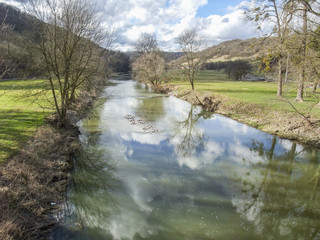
70, 37
146, 43
191, 45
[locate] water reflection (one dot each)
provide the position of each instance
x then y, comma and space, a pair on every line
91, 196
93, 182
197, 177
281, 195
151, 108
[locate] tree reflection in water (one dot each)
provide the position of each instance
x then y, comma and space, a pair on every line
93, 182
150, 108
187, 136
281, 194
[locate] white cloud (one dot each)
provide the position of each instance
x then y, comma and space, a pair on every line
16, 4
168, 18
135, 32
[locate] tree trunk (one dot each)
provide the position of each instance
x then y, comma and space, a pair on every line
303, 63
287, 69
300, 86
279, 92
315, 86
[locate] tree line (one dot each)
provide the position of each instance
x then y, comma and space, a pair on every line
234, 69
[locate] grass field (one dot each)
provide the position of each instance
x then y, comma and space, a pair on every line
262, 93
20, 113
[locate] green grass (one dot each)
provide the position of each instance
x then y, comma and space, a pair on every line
21, 113
261, 93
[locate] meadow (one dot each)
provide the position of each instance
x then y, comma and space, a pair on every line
24, 104
259, 93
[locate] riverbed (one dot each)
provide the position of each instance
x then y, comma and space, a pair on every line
156, 167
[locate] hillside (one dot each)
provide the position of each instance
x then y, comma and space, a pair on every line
19, 21
236, 57
239, 49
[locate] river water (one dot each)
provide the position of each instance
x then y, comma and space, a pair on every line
156, 167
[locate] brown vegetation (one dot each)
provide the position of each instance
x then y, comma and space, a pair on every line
33, 183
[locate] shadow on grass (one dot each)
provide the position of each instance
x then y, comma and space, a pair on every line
16, 128
23, 85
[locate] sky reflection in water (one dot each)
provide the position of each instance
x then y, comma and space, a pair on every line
199, 176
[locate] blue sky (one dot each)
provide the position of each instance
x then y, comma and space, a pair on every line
218, 7
216, 20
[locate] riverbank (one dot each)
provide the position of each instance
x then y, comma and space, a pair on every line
285, 124
33, 182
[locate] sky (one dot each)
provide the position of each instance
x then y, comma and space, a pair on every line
215, 20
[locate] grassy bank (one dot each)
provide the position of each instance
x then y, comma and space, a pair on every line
256, 104
260, 93
22, 111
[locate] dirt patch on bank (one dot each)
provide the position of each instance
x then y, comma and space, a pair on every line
287, 125
33, 183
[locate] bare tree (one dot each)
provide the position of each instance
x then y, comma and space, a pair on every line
191, 45
146, 43
70, 35
279, 13
149, 67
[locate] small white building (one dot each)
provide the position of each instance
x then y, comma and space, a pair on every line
252, 77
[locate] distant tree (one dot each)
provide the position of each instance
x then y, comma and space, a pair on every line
121, 62
149, 68
237, 69
277, 12
146, 43
69, 36
191, 44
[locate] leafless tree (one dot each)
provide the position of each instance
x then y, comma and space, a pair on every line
70, 34
191, 44
146, 43
149, 68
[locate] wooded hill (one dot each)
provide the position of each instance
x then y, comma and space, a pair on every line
18, 39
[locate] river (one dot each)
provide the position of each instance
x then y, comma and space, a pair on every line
156, 167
